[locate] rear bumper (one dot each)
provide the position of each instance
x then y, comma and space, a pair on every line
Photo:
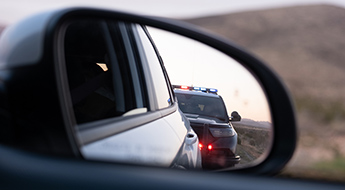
219, 161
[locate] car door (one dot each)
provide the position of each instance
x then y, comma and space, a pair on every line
122, 105
189, 155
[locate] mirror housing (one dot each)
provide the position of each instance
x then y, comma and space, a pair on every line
27, 105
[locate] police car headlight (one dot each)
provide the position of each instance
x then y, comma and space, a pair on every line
222, 132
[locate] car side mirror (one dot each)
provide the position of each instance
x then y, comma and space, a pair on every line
81, 53
235, 116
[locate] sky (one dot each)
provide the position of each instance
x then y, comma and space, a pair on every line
14, 10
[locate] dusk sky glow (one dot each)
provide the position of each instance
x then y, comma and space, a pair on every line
13, 10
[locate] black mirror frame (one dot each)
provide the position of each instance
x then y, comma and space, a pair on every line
283, 118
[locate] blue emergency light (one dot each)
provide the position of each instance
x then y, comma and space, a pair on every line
213, 90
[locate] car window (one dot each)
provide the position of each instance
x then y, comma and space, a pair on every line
201, 105
100, 83
159, 80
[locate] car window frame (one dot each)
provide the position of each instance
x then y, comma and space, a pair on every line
147, 68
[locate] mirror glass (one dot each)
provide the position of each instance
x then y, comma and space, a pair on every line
201, 109
191, 63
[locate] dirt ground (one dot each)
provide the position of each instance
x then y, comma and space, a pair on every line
252, 142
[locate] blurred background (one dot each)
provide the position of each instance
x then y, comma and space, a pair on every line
303, 41
305, 46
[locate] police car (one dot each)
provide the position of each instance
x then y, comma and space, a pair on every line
207, 114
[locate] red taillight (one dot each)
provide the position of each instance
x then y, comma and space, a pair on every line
184, 87
200, 146
209, 147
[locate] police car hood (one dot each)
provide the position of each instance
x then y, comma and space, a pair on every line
200, 120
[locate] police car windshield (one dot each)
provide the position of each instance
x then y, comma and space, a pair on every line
202, 105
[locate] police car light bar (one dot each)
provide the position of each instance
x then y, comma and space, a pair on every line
191, 88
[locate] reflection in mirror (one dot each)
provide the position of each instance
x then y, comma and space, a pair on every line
120, 103
98, 82
192, 66
122, 107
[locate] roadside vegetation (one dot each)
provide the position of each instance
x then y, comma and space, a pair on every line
326, 111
